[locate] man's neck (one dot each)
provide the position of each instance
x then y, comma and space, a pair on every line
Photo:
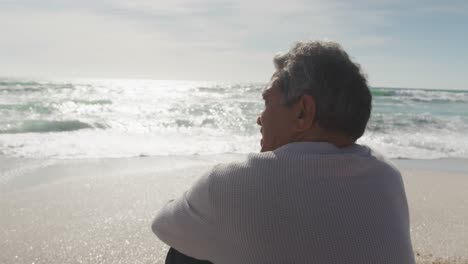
321, 135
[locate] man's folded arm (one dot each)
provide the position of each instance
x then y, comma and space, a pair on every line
187, 223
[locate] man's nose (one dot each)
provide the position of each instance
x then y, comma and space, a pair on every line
259, 121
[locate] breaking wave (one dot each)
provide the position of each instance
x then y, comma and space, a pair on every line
44, 126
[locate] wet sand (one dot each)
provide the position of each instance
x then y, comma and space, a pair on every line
100, 210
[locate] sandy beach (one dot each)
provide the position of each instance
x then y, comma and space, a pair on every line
100, 210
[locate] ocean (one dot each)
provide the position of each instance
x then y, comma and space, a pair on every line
130, 118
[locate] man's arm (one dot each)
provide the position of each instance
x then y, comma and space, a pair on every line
187, 223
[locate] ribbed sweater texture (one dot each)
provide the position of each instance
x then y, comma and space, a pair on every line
305, 202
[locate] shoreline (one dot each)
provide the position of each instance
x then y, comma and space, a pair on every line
100, 210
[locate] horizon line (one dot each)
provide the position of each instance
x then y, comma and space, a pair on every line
49, 78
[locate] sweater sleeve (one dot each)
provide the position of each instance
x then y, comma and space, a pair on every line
187, 223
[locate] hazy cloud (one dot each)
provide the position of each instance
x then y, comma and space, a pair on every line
194, 39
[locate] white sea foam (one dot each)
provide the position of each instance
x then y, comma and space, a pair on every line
419, 145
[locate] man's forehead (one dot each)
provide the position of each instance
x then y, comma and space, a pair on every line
265, 92
269, 87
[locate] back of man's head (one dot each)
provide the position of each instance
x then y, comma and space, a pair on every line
324, 70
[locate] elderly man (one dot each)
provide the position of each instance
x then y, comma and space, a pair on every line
312, 195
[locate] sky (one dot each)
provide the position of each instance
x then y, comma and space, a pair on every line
411, 44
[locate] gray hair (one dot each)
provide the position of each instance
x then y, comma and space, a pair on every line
324, 70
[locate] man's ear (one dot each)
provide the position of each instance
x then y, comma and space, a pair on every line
306, 112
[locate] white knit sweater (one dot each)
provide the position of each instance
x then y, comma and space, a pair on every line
305, 202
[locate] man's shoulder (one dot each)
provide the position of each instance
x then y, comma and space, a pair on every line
256, 165
382, 159
252, 162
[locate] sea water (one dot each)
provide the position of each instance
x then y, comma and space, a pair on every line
127, 118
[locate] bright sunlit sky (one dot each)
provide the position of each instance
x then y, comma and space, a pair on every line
420, 44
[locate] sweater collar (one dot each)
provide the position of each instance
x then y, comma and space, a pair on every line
307, 147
